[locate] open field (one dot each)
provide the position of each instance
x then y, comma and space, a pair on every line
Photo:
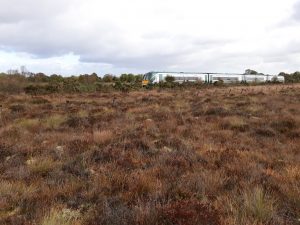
215, 156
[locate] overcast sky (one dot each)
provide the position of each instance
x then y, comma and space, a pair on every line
115, 36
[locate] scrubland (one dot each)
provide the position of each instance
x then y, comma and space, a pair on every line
215, 156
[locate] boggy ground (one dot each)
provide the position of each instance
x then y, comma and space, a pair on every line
211, 157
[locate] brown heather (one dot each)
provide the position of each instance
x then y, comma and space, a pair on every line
211, 156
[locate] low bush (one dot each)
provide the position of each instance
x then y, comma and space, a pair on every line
12, 84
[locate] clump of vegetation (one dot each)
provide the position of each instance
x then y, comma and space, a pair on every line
42, 166
235, 123
291, 78
102, 137
62, 217
257, 205
12, 83
29, 124
54, 121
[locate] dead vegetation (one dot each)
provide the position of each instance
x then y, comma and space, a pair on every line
213, 156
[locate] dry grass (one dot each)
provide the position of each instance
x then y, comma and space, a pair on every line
15, 190
62, 217
54, 121
219, 155
102, 137
28, 124
42, 166
256, 205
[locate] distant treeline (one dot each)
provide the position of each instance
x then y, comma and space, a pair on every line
42, 84
291, 78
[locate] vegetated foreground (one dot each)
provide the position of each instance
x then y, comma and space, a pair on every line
210, 157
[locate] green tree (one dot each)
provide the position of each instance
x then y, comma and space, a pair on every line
124, 77
56, 78
108, 78
88, 79
252, 72
39, 77
169, 79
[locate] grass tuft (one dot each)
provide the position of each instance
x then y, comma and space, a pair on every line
102, 137
42, 166
54, 121
62, 217
258, 205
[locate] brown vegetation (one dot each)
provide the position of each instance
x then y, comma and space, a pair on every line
217, 156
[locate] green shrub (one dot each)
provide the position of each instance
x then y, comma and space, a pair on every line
103, 87
41, 89
12, 84
169, 79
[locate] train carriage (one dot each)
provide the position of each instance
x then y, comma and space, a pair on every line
180, 77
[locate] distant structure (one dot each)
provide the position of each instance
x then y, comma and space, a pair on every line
23, 71
12, 72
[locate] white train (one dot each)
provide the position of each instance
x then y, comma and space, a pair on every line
180, 77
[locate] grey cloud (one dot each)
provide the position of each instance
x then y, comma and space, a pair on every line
296, 13
43, 29
106, 45
281, 53
12, 11
147, 62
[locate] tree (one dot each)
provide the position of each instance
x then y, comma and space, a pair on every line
291, 78
130, 78
170, 79
56, 78
252, 72
39, 77
88, 79
139, 78
108, 78
282, 74
124, 77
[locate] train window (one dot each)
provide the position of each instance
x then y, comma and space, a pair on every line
226, 78
160, 77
